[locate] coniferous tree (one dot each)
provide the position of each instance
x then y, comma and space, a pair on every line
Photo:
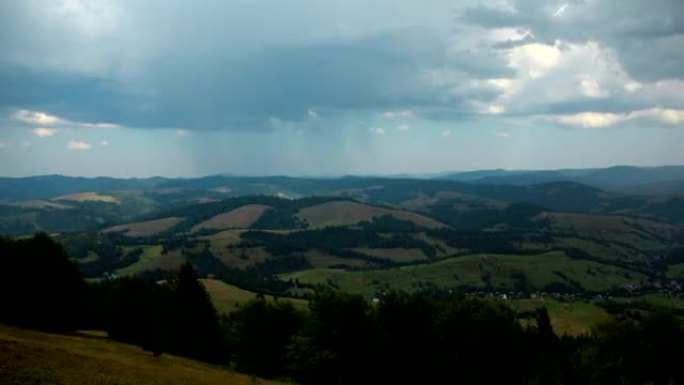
261, 333
195, 330
406, 324
39, 286
338, 341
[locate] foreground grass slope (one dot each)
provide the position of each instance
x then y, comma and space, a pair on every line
29, 357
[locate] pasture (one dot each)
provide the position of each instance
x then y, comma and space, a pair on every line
30, 357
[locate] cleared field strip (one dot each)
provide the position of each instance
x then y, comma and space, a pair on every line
88, 197
152, 259
345, 213
240, 218
146, 228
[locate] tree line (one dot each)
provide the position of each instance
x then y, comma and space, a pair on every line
342, 338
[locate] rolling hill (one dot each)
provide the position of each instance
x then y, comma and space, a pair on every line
30, 204
371, 232
345, 213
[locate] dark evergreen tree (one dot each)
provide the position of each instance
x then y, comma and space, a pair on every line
633, 351
406, 324
480, 342
39, 287
194, 329
551, 364
138, 312
261, 333
337, 343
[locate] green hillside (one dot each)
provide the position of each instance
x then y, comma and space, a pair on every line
30, 357
548, 271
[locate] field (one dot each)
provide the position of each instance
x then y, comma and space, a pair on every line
396, 255
28, 357
640, 232
319, 259
676, 271
146, 228
499, 270
41, 204
88, 197
605, 251
661, 300
151, 259
345, 213
240, 218
227, 297
572, 318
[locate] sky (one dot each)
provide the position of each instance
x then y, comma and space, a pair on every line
131, 88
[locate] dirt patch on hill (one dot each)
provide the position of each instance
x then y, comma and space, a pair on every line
146, 228
240, 218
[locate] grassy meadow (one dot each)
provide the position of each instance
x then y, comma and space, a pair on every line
29, 357
227, 297
500, 270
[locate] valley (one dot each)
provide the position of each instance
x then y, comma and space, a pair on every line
368, 235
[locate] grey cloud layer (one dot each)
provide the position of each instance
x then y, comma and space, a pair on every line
241, 64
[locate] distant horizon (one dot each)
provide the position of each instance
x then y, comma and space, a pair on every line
334, 176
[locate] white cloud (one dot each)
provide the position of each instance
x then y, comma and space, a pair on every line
445, 133
98, 125
312, 114
36, 117
180, 133
507, 86
104, 143
78, 145
590, 119
403, 127
493, 109
560, 10
606, 119
377, 130
398, 114
574, 73
487, 108
45, 119
506, 34
4, 144
633, 87
591, 89
665, 115
503, 134
535, 59
43, 132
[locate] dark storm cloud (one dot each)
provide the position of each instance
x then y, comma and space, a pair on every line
285, 82
225, 91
